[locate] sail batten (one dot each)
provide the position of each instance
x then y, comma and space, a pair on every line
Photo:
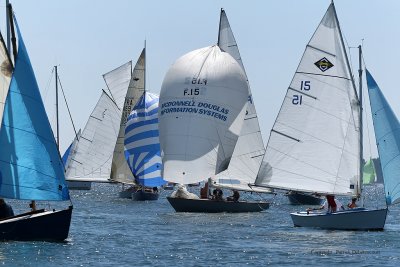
313, 145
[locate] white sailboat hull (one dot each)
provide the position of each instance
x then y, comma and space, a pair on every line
355, 219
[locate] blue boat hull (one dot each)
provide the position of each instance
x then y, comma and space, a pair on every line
39, 225
214, 206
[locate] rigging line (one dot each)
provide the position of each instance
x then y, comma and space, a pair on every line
48, 84
66, 103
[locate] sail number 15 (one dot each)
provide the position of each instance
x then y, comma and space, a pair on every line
298, 98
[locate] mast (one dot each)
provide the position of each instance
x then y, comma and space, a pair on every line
144, 82
8, 26
58, 126
13, 39
360, 118
219, 27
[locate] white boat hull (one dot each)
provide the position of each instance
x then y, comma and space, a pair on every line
354, 219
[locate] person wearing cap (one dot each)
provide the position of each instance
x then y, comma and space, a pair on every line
352, 204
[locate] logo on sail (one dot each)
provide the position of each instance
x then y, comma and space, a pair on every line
323, 64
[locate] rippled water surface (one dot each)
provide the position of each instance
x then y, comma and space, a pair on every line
108, 231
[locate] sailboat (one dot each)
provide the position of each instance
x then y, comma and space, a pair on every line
142, 147
203, 100
249, 149
30, 164
91, 158
122, 169
315, 144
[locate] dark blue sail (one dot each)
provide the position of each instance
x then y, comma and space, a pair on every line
387, 134
30, 165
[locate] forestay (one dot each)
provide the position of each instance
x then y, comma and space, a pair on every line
142, 145
249, 149
387, 134
314, 143
120, 170
30, 165
202, 106
91, 159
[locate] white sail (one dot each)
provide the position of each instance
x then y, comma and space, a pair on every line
202, 105
120, 171
117, 82
5, 75
91, 158
314, 143
249, 150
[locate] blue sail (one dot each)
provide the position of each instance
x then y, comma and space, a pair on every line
387, 134
142, 144
30, 166
66, 154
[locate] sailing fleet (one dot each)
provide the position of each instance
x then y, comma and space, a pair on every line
202, 129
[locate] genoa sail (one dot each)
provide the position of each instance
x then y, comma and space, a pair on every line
120, 171
387, 134
26, 131
249, 149
314, 145
92, 156
67, 154
142, 145
202, 106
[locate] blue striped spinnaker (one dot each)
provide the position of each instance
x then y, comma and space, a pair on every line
142, 144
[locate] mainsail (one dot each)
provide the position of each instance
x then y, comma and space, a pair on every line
6, 70
387, 134
91, 159
315, 140
117, 82
30, 165
202, 106
120, 171
249, 149
142, 145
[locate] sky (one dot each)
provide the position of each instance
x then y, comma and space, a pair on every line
87, 38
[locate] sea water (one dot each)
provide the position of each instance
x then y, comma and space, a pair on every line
109, 231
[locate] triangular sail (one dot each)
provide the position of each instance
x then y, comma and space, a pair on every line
142, 143
314, 143
30, 164
117, 82
249, 149
6, 70
91, 159
387, 134
120, 169
202, 106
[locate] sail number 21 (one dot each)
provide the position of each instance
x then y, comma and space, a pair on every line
304, 86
